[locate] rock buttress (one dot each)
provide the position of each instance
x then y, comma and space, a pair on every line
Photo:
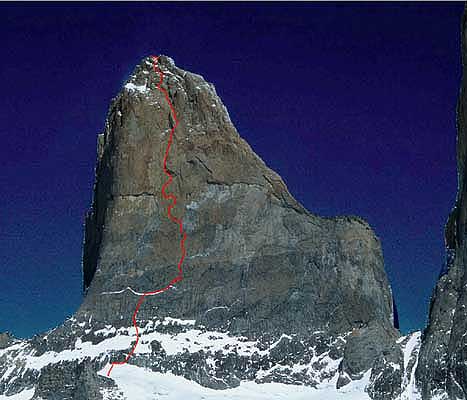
258, 263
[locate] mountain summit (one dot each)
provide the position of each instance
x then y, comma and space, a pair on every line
257, 261
271, 292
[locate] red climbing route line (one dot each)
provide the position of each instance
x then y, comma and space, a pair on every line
178, 221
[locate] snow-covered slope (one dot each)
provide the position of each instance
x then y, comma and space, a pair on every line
137, 383
177, 359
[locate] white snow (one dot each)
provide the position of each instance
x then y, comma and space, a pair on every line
410, 346
395, 366
108, 330
199, 255
410, 391
140, 88
83, 350
177, 321
140, 384
192, 206
24, 395
279, 340
217, 308
192, 341
134, 292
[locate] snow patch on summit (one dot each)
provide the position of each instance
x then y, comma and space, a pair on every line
139, 88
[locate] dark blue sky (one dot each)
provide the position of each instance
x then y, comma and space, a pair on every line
353, 104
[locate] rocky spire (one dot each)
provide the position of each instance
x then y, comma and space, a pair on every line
271, 292
442, 367
257, 260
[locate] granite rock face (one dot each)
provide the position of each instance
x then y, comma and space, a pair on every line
271, 292
442, 368
5, 340
257, 261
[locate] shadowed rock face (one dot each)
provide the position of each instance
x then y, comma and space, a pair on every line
442, 368
257, 261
